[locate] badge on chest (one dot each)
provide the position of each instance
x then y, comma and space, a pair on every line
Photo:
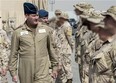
24, 33
42, 31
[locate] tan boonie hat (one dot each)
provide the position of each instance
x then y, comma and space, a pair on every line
111, 12
58, 11
86, 14
82, 6
95, 17
64, 15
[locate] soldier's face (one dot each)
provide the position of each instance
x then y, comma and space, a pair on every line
58, 23
44, 19
61, 21
77, 12
93, 28
57, 14
102, 34
32, 19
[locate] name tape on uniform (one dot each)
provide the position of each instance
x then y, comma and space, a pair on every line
23, 32
42, 31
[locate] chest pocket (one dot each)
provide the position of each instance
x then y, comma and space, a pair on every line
26, 40
41, 36
101, 63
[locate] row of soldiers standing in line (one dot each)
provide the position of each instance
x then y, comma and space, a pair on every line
96, 58
96, 44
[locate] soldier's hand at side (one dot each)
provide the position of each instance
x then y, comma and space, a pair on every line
4, 71
54, 74
15, 79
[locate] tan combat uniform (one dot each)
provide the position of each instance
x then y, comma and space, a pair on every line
64, 46
82, 39
94, 46
4, 47
104, 63
33, 50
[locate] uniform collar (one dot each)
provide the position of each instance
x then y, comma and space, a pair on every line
111, 39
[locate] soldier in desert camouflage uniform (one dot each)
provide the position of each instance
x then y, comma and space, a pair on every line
4, 47
82, 38
64, 45
103, 61
95, 42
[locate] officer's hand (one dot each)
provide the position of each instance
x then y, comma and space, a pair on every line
54, 74
4, 71
14, 79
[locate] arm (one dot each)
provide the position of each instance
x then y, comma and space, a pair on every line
51, 51
13, 59
68, 34
112, 54
6, 44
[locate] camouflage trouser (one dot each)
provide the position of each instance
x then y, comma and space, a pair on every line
85, 78
3, 79
103, 79
65, 72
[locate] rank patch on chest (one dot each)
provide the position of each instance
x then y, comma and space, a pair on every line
23, 32
42, 31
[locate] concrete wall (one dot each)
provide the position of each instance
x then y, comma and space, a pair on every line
12, 9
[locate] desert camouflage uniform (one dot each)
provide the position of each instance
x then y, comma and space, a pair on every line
103, 63
4, 53
81, 40
94, 46
87, 38
64, 44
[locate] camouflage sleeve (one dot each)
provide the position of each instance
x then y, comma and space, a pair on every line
13, 58
5, 59
4, 55
68, 34
77, 48
7, 40
112, 54
53, 57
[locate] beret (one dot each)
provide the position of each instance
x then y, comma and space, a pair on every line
43, 13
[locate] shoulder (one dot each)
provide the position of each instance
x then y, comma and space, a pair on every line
67, 24
19, 29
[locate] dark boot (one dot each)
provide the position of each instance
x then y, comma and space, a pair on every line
69, 81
